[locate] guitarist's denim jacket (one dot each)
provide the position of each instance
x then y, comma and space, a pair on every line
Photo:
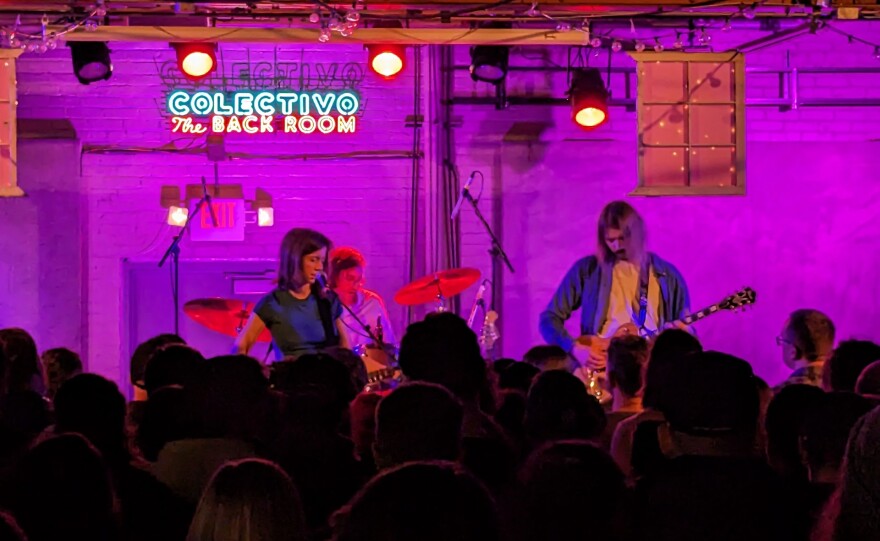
587, 285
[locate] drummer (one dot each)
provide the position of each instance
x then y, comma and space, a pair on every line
347, 280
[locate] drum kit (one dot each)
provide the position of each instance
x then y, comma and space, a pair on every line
229, 316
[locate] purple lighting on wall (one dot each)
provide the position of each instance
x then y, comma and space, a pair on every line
803, 235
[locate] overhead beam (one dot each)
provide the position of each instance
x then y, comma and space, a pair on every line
214, 5
280, 7
407, 36
286, 8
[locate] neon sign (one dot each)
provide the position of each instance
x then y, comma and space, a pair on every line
263, 112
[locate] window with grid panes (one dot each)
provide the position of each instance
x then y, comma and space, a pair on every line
8, 162
691, 123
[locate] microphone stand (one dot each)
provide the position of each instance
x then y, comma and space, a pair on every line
173, 251
496, 251
363, 325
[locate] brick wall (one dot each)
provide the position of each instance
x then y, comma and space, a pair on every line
41, 282
804, 235
363, 202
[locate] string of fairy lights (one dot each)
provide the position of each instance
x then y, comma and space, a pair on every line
45, 40
855, 39
697, 35
331, 19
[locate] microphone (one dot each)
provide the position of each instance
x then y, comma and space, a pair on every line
380, 332
321, 280
209, 202
478, 301
464, 192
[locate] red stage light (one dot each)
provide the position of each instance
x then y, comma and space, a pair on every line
386, 60
590, 117
589, 98
196, 60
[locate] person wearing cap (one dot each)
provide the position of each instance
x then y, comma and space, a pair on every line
142, 354
713, 484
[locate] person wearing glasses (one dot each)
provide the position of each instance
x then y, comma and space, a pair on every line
367, 308
807, 341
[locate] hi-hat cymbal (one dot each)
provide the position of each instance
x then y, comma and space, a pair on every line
226, 316
444, 283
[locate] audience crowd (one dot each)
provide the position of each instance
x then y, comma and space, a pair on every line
690, 445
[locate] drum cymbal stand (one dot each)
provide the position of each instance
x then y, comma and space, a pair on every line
440, 299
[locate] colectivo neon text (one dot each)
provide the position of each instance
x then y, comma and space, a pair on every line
263, 112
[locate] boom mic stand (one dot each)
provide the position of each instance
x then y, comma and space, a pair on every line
363, 325
326, 291
173, 251
496, 251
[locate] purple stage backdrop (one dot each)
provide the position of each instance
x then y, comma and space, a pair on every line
805, 235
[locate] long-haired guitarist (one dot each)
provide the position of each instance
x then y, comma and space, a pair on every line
621, 289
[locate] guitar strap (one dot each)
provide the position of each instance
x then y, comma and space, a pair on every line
644, 277
331, 337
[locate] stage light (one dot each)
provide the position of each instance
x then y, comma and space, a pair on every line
265, 217
589, 98
386, 60
489, 63
177, 216
196, 60
91, 61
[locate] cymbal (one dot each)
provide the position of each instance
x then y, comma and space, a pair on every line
226, 316
446, 283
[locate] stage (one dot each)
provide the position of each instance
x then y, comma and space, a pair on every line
102, 164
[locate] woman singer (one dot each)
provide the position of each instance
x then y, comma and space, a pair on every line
301, 315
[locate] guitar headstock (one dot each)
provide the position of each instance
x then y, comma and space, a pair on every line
489, 334
743, 297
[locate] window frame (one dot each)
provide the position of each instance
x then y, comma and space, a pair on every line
737, 61
10, 188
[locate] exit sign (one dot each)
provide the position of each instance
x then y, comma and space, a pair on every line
230, 221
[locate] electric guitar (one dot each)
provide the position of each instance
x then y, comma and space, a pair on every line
382, 374
740, 299
599, 346
380, 363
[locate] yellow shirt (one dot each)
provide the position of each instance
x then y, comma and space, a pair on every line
623, 301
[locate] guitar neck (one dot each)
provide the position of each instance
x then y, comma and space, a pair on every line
701, 314
379, 375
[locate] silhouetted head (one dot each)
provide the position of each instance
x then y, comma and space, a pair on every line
417, 421
420, 501
249, 499
442, 349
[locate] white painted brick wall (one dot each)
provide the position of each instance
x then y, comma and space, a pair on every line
360, 202
554, 187
366, 203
